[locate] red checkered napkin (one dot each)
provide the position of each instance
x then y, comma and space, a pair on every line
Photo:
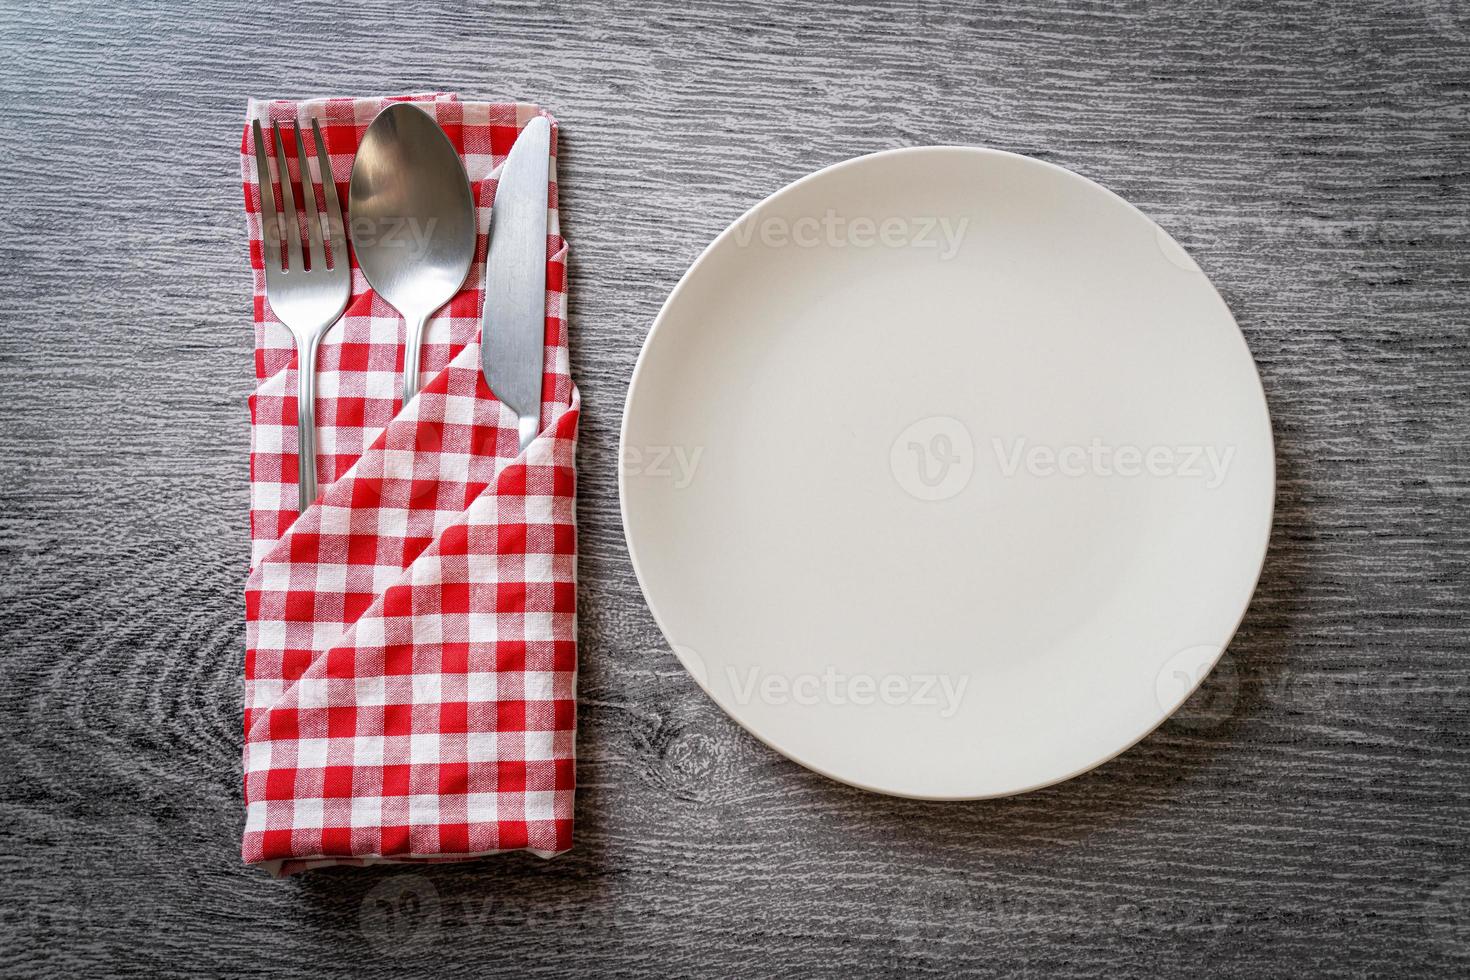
410, 677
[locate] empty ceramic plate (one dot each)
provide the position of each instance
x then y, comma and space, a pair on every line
946, 473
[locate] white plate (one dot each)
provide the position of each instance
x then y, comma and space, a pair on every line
946, 473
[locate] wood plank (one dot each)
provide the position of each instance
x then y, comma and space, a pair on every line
1311, 155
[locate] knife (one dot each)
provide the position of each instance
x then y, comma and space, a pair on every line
513, 325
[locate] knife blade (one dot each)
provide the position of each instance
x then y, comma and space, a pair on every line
513, 324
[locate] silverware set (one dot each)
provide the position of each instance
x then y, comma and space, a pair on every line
413, 231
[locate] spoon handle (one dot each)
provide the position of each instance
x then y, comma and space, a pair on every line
412, 346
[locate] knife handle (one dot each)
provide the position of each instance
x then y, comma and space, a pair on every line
530, 428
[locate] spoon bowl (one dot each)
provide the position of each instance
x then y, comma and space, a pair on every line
413, 220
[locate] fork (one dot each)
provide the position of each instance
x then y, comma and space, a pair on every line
308, 299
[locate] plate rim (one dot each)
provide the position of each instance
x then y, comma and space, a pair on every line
662, 316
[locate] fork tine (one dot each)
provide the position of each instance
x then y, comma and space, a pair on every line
308, 197
270, 218
335, 225
288, 206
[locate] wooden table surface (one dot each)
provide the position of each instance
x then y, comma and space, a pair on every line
1306, 813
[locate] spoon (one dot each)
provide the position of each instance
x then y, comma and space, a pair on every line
413, 220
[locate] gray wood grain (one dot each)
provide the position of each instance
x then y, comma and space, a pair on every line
1307, 812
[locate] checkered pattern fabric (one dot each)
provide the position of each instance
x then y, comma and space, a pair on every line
411, 637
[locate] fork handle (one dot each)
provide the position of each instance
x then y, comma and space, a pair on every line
306, 420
